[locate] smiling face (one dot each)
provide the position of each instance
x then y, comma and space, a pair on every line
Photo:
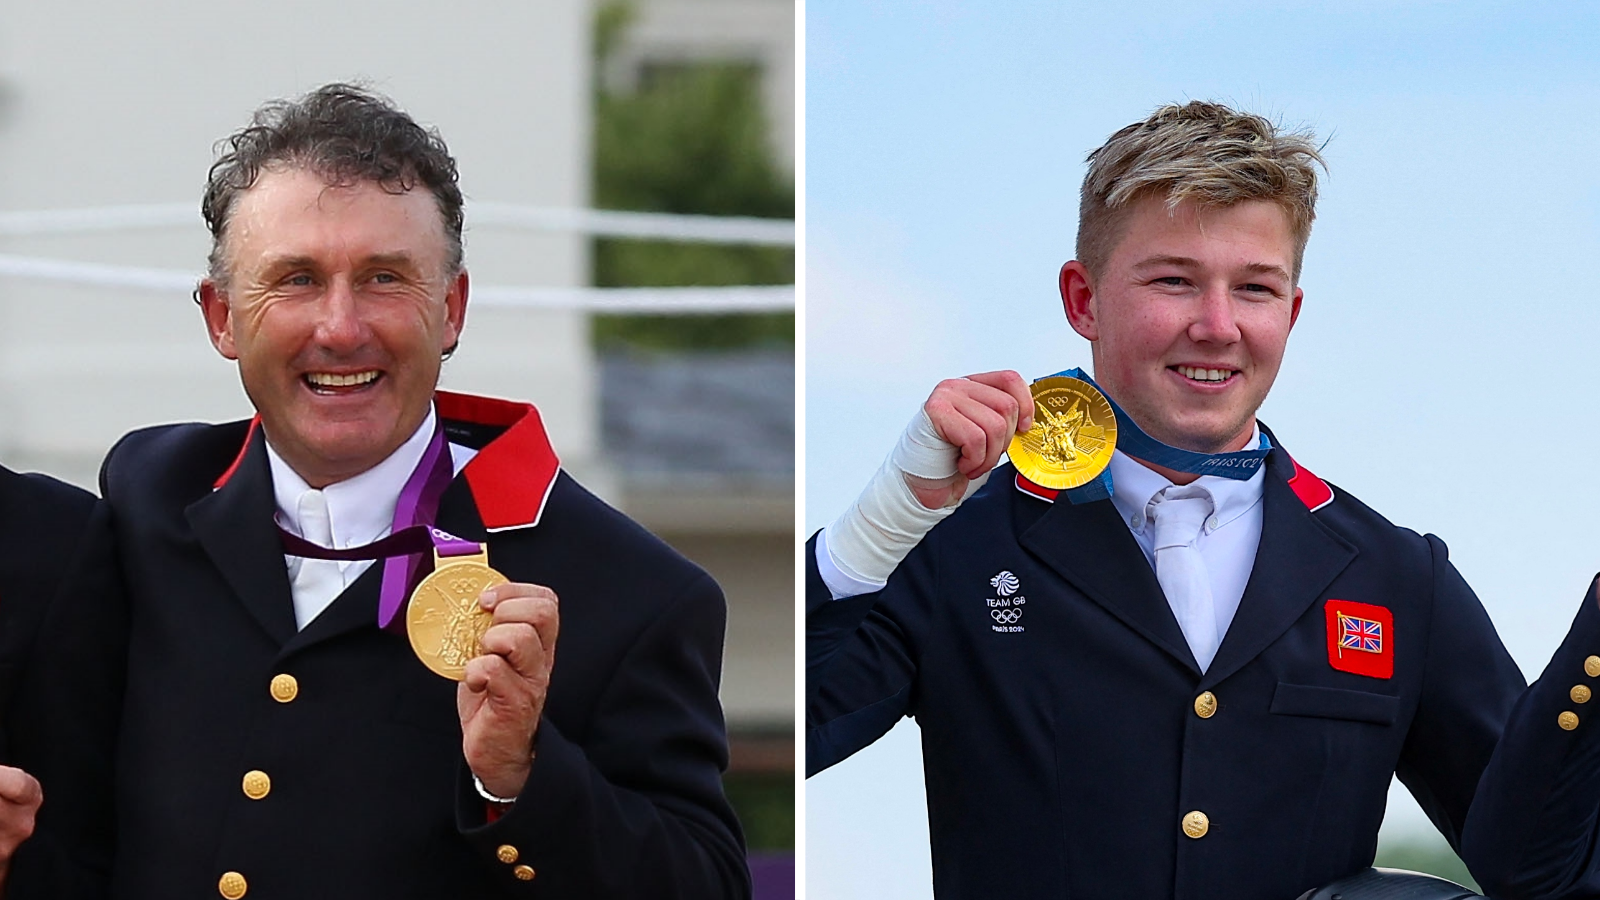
338, 308
1189, 317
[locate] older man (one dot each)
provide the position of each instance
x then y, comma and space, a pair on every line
1192, 672
281, 738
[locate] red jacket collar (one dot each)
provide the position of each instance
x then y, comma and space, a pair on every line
510, 478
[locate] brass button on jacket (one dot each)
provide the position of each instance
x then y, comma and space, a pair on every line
1581, 693
232, 885
1196, 824
1205, 705
1591, 667
1567, 720
523, 873
507, 854
285, 687
257, 784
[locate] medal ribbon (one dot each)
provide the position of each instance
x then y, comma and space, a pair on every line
411, 536
1240, 465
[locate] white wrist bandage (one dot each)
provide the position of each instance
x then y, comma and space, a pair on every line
870, 539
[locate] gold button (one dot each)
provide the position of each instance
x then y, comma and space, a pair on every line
1581, 693
232, 885
1591, 666
257, 784
507, 854
523, 873
1195, 824
1567, 721
1205, 705
285, 687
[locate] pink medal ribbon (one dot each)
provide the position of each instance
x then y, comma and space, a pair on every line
410, 537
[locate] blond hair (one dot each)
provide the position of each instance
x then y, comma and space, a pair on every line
1200, 151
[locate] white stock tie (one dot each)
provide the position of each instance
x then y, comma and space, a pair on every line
1178, 513
318, 581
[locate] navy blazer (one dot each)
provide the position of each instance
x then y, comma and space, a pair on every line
1065, 738
62, 652
369, 794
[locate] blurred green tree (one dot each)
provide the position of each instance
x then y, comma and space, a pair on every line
688, 138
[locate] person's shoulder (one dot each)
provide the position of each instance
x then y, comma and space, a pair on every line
611, 536
33, 488
1345, 514
31, 502
167, 460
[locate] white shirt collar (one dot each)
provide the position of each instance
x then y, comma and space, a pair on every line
360, 509
1133, 485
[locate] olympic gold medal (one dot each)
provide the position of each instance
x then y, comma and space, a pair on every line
1073, 434
444, 619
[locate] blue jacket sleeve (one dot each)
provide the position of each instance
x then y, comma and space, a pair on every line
1469, 688
861, 657
1532, 829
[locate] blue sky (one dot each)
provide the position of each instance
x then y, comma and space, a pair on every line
1443, 363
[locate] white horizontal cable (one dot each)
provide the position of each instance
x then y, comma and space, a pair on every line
105, 218
659, 300
594, 222
663, 300
98, 274
615, 223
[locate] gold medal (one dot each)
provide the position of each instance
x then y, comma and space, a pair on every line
444, 619
1073, 434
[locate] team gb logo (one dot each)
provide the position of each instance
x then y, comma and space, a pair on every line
1006, 583
1006, 609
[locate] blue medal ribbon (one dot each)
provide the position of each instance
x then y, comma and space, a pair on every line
1240, 465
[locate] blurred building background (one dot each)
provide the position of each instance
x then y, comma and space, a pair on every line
694, 105
678, 106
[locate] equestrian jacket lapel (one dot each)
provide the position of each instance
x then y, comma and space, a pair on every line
1090, 546
1297, 559
234, 524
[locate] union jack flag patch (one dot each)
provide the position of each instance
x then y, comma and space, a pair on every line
1360, 638
1360, 634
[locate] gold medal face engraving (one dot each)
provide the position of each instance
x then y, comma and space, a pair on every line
1073, 434
443, 618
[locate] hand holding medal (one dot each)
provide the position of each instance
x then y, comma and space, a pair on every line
502, 693
469, 623
945, 453
977, 415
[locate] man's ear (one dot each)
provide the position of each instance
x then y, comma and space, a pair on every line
1077, 298
219, 317
1294, 311
455, 312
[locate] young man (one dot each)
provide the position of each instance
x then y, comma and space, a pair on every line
281, 738
1195, 680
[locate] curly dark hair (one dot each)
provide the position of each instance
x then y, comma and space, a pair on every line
345, 133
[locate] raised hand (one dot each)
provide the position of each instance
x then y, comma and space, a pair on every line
502, 696
977, 415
